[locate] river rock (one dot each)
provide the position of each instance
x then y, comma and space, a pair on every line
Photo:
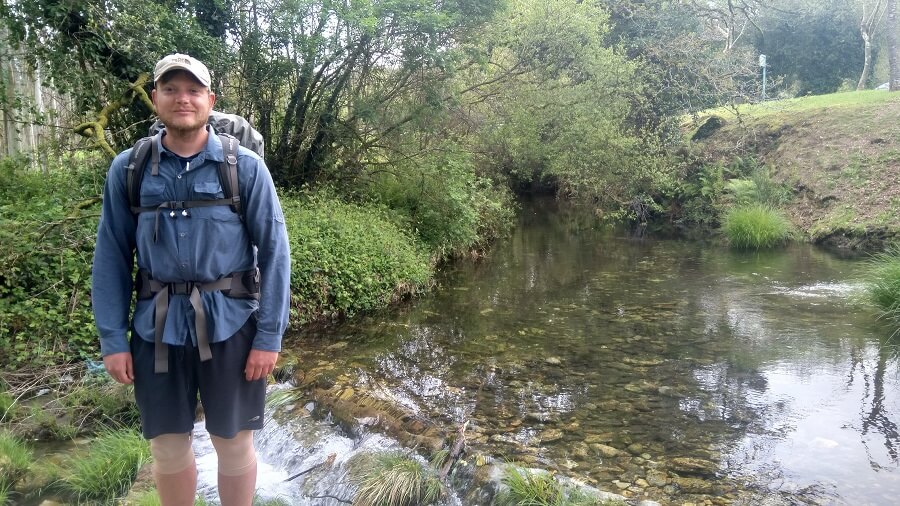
647, 502
553, 361
604, 437
693, 485
542, 417
551, 435
693, 466
635, 448
657, 478
606, 450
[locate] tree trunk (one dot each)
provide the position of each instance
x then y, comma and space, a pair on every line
892, 45
867, 60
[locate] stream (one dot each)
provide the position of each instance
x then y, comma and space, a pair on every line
663, 369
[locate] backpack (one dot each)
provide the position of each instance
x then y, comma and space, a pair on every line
232, 130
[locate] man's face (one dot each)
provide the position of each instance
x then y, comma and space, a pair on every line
182, 103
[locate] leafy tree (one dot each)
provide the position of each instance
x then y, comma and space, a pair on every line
92, 49
814, 47
332, 83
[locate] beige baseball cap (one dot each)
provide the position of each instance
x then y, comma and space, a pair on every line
183, 62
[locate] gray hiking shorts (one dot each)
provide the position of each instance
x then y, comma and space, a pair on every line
168, 401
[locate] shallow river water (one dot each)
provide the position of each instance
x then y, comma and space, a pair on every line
569, 338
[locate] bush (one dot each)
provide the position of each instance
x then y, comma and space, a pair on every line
756, 226
883, 283
47, 227
445, 203
347, 258
109, 467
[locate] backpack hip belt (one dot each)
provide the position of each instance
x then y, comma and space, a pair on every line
241, 285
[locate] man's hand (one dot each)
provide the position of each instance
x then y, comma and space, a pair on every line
260, 364
119, 366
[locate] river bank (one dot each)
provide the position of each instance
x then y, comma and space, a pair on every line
839, 155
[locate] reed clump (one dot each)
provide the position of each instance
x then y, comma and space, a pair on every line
756, 226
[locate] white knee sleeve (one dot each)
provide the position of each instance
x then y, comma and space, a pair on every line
236, 455
172, 453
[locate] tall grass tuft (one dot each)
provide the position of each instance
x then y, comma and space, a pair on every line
756, 226
109, 467
15, 460
883, 283
530, 488
394, 479
540, 488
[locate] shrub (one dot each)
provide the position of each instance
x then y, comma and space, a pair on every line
347, 258
756, 226
108, 468
444, 202
883, 283
394, 479
15, 459
47, 228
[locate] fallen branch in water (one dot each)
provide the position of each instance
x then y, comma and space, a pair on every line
456, 452
327, 462
326, 496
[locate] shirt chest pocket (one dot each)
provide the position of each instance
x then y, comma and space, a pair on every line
154, 193
207, 190
212, 190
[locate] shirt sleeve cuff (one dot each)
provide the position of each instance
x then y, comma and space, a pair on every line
110, 346
267, 342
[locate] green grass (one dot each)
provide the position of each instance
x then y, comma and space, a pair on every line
803, 104
756, 226
394, 479
108, 468
15, 460
883, 283
527, 488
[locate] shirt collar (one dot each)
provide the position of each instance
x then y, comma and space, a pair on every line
213, 150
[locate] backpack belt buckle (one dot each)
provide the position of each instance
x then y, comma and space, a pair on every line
181, 288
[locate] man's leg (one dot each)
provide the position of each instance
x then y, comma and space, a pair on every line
237, 468
174, 469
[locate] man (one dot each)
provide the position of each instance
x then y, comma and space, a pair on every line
190, 334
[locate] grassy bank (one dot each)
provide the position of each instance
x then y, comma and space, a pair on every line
838, 155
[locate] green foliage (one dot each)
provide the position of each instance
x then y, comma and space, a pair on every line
93, 49
46, 247
394, 479
440, 197
108, 468
756, 226
349, 257
813, 48
883, 283
711, 190
15, 459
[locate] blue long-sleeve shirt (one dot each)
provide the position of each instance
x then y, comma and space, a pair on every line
211, 243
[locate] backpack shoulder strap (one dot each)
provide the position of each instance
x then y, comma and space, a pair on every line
228, 176
145, 149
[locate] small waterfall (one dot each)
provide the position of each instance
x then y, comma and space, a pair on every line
292, 442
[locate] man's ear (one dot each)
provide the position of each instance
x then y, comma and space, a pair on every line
153, 96
212, 99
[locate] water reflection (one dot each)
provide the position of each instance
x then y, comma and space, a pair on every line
644, 362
